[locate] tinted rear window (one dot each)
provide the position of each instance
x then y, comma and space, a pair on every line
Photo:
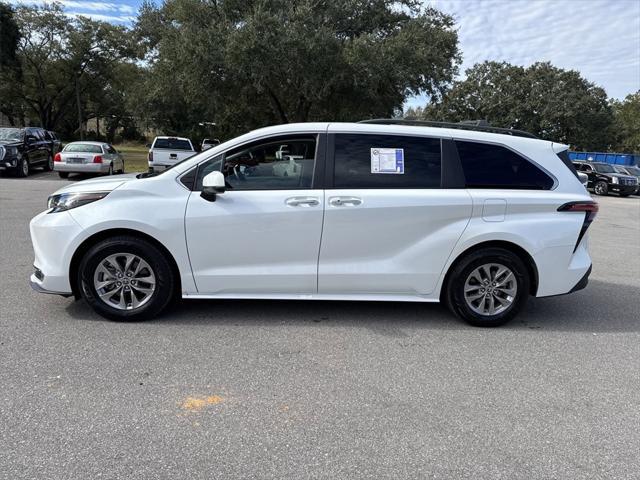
172, 144
494, 166
83, 147
418, 161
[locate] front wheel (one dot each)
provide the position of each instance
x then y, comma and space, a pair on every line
126, 279
487, 288
601, 188
23, 167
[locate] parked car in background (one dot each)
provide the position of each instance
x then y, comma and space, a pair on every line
88, 157
56, 144
24, 148
479, 220
167, 151
630, 170
209, 142
604, 179
584, 178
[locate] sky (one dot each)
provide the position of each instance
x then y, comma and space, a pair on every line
599, 38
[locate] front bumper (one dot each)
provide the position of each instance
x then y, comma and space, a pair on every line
81, 167
55, 236
36, 284
623, 189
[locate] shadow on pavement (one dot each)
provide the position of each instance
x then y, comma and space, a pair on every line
602, 307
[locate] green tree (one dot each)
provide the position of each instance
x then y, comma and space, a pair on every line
244, 64
9, 36
58, 61
627, 123
552, 103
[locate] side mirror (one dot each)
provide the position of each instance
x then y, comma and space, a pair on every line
212, 184
31, 139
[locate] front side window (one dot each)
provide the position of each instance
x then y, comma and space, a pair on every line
386, 161
277, 164
494, 166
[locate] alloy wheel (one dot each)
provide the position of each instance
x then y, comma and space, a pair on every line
490, 289
124, 281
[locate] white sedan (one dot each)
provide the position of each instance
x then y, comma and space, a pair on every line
88, 157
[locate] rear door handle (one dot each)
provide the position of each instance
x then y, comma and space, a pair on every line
345, 201
302, 201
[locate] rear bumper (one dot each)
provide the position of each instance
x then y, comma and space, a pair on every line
584, 281
81, 167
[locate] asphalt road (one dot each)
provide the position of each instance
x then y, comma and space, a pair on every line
282, 389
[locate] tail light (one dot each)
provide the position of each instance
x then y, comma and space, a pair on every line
97, 159
150, 157
590, 210
57, 158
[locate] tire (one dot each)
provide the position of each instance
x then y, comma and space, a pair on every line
464, 276
22, 169
117, 303
48, 167
63, 174
601, 188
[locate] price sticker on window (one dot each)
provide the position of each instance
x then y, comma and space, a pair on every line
387, 160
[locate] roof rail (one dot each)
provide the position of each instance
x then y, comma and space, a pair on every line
476, 125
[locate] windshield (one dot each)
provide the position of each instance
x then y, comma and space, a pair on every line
11, 134
172, 144
603, 168
83, 147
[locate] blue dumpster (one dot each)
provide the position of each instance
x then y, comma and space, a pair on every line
613, 158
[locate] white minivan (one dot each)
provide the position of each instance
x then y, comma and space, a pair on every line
476, 217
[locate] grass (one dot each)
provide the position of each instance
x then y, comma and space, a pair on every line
135, 156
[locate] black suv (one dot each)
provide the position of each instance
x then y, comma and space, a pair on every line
603, 179
24, 148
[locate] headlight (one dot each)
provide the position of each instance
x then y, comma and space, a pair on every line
615, 180
67, 201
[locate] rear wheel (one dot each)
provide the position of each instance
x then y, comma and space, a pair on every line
49, 165
487, 288
63, 174
126, 278
601, 188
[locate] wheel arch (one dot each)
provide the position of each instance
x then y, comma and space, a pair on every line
114, 232
526, 258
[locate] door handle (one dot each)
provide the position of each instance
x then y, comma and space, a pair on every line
345, 201
302, 201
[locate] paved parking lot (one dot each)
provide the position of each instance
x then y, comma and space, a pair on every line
258, 389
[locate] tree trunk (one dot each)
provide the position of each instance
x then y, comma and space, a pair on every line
79, 110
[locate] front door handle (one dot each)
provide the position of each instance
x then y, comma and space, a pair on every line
302, 201
345, 201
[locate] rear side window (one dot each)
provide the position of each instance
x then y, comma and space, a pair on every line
386, 161
494, 166
172, 144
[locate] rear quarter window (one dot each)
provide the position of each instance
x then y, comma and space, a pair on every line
494, 166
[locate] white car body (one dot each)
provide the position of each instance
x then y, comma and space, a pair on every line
326, 243
74, 160
162, 158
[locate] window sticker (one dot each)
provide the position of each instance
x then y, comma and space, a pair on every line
387, 160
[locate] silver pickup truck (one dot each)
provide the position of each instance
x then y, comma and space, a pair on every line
167, 151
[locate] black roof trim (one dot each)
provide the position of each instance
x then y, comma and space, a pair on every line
460, 126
